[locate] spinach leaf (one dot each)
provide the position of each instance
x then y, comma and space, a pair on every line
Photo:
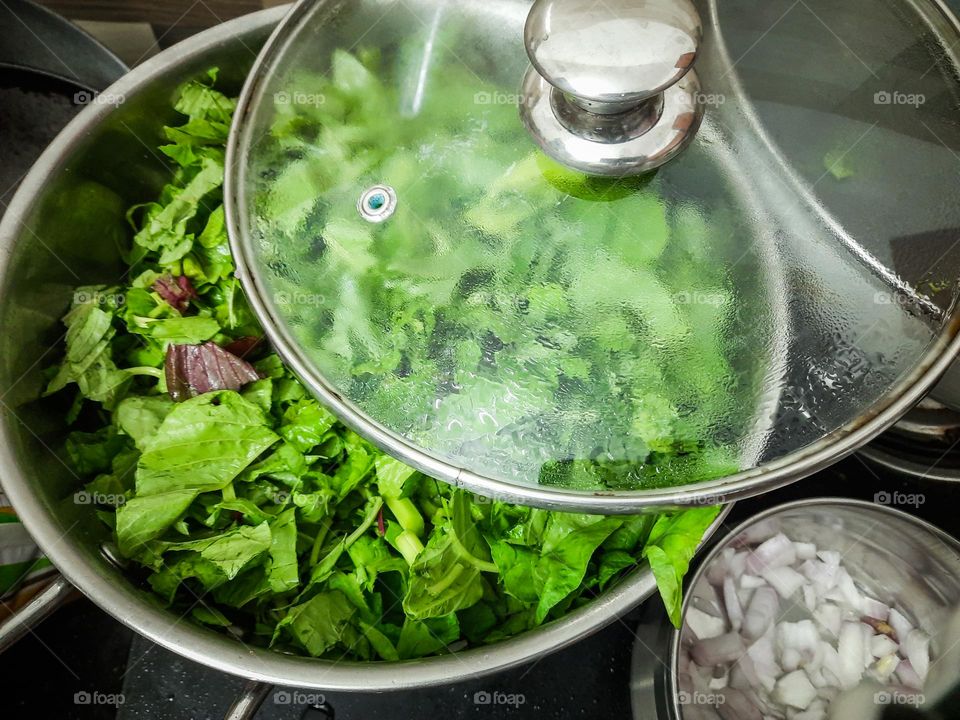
202, 444
670, 547
318, 624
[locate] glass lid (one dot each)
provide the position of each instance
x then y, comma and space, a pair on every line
605, 255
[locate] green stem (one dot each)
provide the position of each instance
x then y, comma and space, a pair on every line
407, 515
318, 543
365, 525
408, 545
481, 565
145, 370
446, 581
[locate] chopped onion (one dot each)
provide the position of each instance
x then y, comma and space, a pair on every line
882, 645
751, 582
763, 656
901, 626
875, 609
743, 675
908, 676
816, 711
805, 551
830, 557
704, 626
780, 628
916, 648
848, 591
760, 613
850, 646
883, 668
737, 706
796, 690
732, 603
829, 617
822, 575
798, 644
718, 650
757, 533
776, 552
785, 580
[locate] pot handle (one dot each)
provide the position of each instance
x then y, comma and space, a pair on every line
31, 614
250, 700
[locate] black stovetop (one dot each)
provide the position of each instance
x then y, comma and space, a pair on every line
82, 650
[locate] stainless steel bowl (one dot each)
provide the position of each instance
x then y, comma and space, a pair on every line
51, 240
894, 556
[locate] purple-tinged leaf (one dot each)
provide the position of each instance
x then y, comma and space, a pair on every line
177, 291
244, 346
193, 370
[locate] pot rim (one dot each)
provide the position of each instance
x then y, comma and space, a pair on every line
110, 590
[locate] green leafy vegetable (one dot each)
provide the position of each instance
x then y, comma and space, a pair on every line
291, 526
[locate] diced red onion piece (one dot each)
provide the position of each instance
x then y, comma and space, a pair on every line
743, 675
720, 567
704, 626
776, 552
732, 604
805, 551
751, 582
795, 690
901, 626
852, 597
916, 648
763, 656
760, 613
831, 666
718, 650
816, 711
875, 609
822, 575
867, 632
757, 533
883, 669
829, 617
829, 557
785, 580
737, 706
705, 597
908, 676
850, 647
798, 644
881, 646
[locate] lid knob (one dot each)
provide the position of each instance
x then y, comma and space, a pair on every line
611, 91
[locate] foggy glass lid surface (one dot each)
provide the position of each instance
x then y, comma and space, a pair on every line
472, 305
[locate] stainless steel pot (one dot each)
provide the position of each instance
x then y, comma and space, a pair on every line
892, 555
50, 242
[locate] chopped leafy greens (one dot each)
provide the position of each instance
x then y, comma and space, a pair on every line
236, 486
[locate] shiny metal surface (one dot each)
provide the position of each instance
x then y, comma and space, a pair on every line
891, 554
858, 342
33, 613
622, 51
50, 242
628, 143
253, 696
608, 92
